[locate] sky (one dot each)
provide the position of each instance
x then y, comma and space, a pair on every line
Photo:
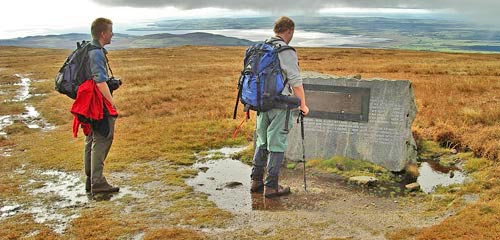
22, 18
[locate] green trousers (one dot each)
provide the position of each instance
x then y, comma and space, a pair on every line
271, 134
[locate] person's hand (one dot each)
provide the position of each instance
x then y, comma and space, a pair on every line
304, 109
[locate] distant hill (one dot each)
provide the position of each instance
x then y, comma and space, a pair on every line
123, 41
197, 38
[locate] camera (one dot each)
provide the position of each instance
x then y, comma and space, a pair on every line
114, 83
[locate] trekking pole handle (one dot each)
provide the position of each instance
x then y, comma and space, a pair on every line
301, 117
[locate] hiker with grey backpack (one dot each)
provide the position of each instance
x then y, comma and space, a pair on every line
271, 85
84, 77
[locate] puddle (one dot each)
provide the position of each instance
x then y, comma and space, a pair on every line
213, 181
7, 211
222, 153
57, 221
433, 175
23, 92
60, 198
5, 121
471, 198
21, 170
5, 152
225, 181
124, 191
228, 151
227, 184
31, 117
69, 189
33, 120
139, 236
215, 175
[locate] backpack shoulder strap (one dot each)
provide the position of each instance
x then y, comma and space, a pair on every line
280, 48
286, 47
277, 46
91, 47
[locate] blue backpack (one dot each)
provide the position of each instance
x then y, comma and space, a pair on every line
261, 81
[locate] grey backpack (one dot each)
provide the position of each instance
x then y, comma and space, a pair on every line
74, 70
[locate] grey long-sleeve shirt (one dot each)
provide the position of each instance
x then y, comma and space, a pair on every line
289, 63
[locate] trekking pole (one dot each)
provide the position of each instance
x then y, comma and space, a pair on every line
301, 116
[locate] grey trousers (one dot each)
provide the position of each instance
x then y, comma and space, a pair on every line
95, 152
272, 161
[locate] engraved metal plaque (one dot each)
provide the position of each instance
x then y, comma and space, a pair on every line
338, 103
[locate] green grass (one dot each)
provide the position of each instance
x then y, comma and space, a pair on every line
350, 167
431, 149
476, 164
245, 156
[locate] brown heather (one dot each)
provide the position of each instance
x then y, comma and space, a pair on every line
177, 101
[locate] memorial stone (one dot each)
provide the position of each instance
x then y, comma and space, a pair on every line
360, 119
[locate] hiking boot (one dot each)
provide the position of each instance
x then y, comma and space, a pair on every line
257, 186
87, 185
276, 192
257, 175
104, 188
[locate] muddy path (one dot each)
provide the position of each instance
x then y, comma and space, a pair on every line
329, 209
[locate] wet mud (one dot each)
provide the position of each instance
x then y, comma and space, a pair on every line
330, 208
215, 175
346, 210
30, 117
58, 198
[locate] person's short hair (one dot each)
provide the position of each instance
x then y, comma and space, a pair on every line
98, 26
283, 24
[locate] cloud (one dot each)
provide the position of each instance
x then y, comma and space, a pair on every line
308, 4
480, 10
195, 4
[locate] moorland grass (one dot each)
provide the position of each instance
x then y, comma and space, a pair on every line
178, 101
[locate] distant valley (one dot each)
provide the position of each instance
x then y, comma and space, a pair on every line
402, 32
123, 41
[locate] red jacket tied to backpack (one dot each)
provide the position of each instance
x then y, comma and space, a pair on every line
89, 104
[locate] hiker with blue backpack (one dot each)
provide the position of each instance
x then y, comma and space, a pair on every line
271, 85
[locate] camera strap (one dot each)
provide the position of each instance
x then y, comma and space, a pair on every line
109, 66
